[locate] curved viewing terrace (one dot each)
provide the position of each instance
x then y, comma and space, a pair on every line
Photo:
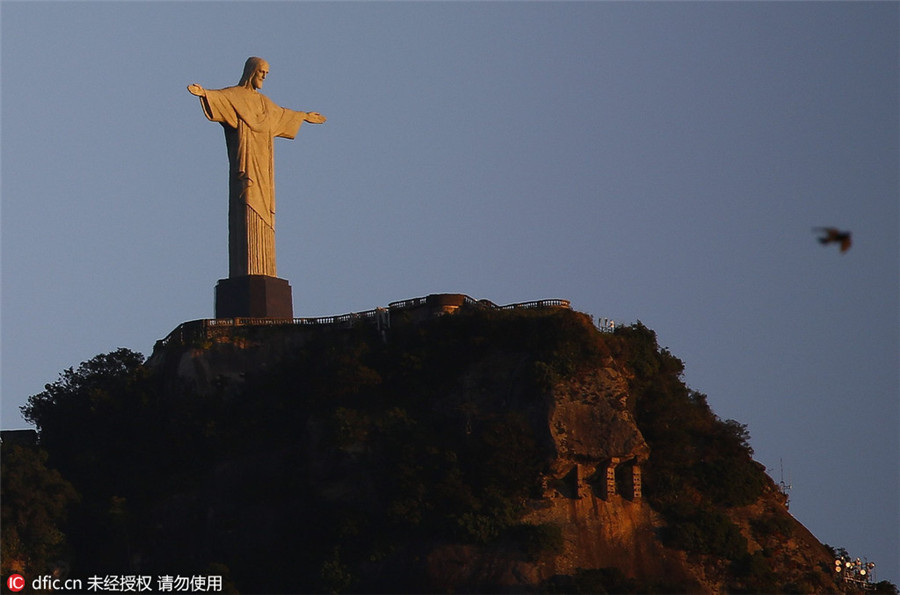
420, 308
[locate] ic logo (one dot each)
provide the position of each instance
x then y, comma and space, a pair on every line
15, 582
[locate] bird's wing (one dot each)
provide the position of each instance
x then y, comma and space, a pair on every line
845, 243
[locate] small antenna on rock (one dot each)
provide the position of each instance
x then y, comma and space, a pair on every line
785, 487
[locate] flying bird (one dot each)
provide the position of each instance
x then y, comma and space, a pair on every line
834, 235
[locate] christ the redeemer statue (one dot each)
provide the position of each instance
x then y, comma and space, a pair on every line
251, 122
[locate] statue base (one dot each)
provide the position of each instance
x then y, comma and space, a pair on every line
254, 296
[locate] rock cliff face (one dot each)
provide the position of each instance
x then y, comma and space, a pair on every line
475, 452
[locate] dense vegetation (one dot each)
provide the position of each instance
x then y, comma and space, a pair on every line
129, 445
34, 505
699, 465
328, 471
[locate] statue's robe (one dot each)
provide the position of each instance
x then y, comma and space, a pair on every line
251, 122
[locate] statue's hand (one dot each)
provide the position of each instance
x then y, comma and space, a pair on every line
314, 118
197, 90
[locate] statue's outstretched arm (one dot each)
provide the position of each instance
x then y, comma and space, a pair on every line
197, 90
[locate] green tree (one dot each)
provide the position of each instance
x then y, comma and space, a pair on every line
87, 406
98, 425
35, 501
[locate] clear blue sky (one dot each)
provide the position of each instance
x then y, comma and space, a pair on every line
662, 162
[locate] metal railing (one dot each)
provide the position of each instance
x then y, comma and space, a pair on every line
380, 316
537, 304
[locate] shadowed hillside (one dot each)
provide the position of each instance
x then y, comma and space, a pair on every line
485, 451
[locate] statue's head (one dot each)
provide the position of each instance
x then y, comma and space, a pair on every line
255, 71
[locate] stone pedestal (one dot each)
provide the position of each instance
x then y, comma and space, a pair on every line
254, 296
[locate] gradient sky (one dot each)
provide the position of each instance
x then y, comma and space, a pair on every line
661, 162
